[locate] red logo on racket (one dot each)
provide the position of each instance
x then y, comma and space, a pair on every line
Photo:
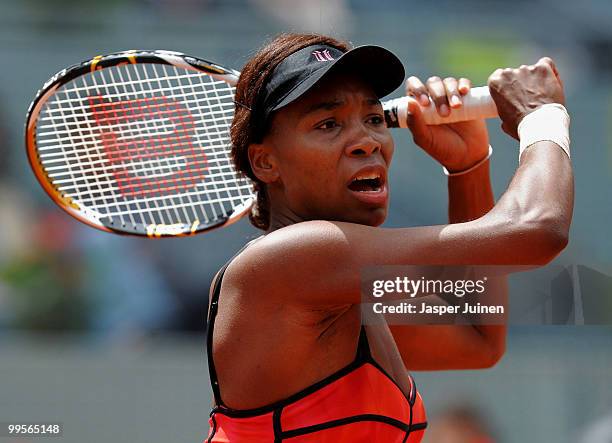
149, 143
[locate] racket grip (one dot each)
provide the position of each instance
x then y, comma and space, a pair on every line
477, 104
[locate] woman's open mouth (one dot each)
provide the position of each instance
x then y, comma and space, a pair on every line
368, 182
369, 185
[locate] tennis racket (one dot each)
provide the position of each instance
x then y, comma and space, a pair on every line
137, 142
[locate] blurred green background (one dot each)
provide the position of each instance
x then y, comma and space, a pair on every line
106, 334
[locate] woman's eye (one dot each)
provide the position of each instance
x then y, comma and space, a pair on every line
327, 124
376, 119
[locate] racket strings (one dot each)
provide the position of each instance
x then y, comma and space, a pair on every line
193, 104
143, 144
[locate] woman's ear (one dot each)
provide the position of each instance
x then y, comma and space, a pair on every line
263, 162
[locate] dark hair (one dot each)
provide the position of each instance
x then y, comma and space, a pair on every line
247, 127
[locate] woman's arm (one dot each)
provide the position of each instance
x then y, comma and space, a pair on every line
463, 149
319, 262
432, 347
470, 195
481, 346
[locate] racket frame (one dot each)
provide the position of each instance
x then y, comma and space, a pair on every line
66, 75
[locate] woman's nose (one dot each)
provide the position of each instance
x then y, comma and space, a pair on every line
362, 144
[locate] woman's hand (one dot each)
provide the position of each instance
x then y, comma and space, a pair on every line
517, 92
457, 146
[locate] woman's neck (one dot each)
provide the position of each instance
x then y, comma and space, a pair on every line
281, 218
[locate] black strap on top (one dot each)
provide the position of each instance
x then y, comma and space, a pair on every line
363, 347
212, 314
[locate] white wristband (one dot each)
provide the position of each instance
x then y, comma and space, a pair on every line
470, 169
548, 122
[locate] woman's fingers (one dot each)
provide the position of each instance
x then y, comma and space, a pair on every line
445, 94
437, 92
415, 88
464, 86
452, 92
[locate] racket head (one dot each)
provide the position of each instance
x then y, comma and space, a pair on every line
137, 143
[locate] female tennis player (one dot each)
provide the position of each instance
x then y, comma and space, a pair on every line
288, 356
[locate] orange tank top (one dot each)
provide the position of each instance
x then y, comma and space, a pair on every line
358, 403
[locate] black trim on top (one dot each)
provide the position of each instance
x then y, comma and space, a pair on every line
276, 425
244, 413
210, 326
363, 356
214, 429
212, 313
411, 398
363, 353
413, 390
414, 427
411, 412
344, 421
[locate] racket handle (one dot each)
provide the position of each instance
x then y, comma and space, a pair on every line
477, 104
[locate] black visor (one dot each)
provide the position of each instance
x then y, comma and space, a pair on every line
300, 71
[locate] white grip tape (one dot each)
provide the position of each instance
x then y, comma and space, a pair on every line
477, 104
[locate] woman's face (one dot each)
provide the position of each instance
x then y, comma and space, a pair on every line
332, 151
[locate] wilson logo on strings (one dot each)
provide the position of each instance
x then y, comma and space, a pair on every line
149, 143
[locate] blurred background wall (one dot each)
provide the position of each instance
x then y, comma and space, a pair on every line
106, 334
